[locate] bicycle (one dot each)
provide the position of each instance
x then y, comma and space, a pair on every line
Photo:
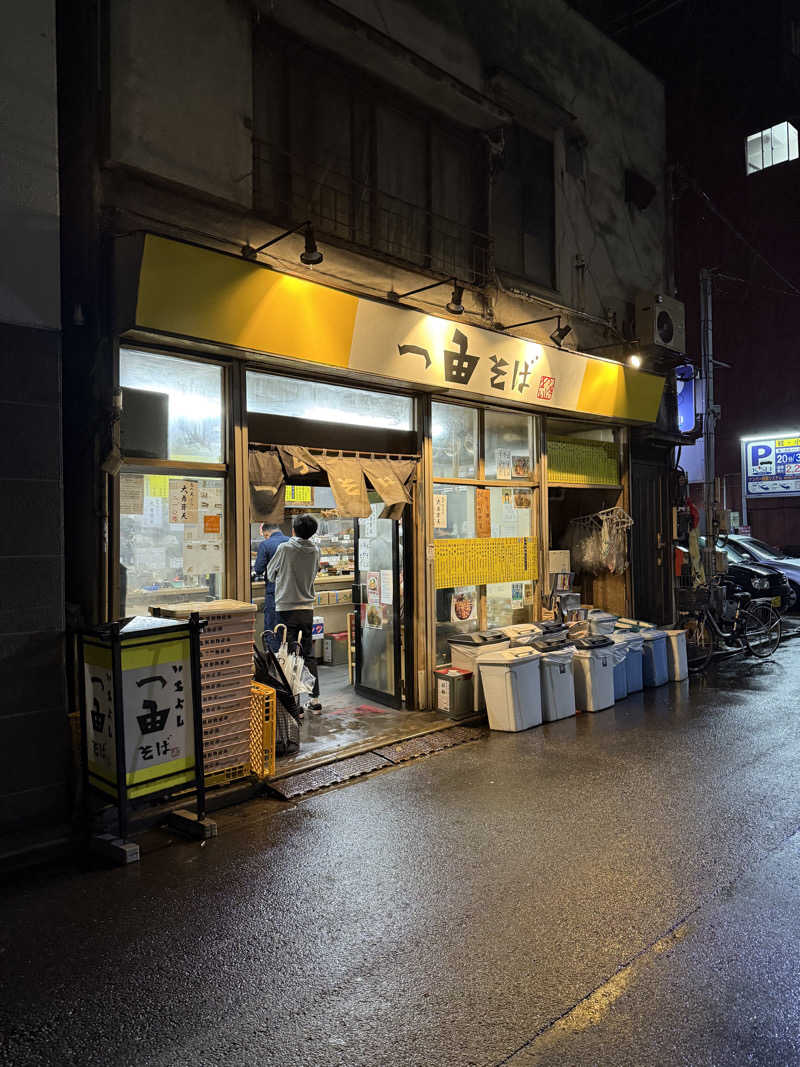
735, 621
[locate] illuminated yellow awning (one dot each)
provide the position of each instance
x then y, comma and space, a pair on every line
188, 291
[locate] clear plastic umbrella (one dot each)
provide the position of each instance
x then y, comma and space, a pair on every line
297, 675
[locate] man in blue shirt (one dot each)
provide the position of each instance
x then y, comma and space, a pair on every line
266, 550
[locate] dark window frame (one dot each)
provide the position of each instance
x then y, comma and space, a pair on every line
275, 181
521, 269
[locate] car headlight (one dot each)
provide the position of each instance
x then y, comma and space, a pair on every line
761, 583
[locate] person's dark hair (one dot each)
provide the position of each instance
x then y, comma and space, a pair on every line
305, 526
267, 526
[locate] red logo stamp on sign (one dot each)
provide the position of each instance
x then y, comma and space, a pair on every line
546, 387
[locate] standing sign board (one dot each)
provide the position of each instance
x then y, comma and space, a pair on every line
771, 466
142, 719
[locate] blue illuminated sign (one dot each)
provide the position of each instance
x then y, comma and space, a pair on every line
684, 381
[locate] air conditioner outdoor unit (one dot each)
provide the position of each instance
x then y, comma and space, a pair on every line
661, 320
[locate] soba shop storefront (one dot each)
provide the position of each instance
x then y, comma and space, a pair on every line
423, 446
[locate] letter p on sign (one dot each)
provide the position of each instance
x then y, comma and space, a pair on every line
762, 459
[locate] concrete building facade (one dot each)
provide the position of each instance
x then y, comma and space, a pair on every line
423, 146
34, 745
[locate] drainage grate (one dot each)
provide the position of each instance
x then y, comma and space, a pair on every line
428, 743
329, 774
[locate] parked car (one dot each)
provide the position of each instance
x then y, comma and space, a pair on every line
760, 580
751, 549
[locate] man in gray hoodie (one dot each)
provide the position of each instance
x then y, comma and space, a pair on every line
293, 569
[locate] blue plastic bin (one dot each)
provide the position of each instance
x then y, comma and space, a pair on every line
655, 669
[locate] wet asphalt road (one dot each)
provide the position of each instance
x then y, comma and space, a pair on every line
621, 888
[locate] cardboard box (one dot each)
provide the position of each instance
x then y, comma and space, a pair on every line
559, 561
323, 599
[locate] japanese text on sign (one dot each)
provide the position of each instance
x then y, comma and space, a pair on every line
505, 376
182, 500
771, 467
483, 560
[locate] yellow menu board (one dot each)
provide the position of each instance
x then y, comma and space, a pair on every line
580, 462
484, 560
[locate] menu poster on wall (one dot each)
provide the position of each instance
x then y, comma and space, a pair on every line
211, 524
374, 587
507, 504
153, 512
297, 494
522, 499
464, 605
131, 494
202, 557
158, 485
521, 466
516, 593
363, 555
483, 513
182, 500
528, 592
503, 460
387, 587
440, 511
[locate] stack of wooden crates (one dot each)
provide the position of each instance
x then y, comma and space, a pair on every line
226, 675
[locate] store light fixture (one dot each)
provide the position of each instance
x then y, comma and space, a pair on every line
557, 336
454, 304
310, 256
633, 358
559, 333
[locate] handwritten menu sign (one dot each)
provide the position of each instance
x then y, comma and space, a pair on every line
483, 513
183, 500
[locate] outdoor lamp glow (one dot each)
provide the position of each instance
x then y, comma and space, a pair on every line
634, 361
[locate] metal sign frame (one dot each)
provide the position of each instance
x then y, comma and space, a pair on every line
111, 637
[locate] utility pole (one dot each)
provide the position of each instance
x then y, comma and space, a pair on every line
710, 416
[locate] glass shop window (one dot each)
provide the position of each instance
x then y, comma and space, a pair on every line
453, 511
454, 434
171, 408
507, 445
172, 540
270, 394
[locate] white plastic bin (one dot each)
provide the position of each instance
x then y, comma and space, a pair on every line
511, 684
519, 633
601, 623
558, 685
593, 671
632, 641
677, 662
466, 650
654, 666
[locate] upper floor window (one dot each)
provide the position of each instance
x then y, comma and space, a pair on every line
364, 164
523, 208
778, 144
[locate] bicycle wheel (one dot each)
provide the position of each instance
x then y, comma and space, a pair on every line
699, 643
762, 630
